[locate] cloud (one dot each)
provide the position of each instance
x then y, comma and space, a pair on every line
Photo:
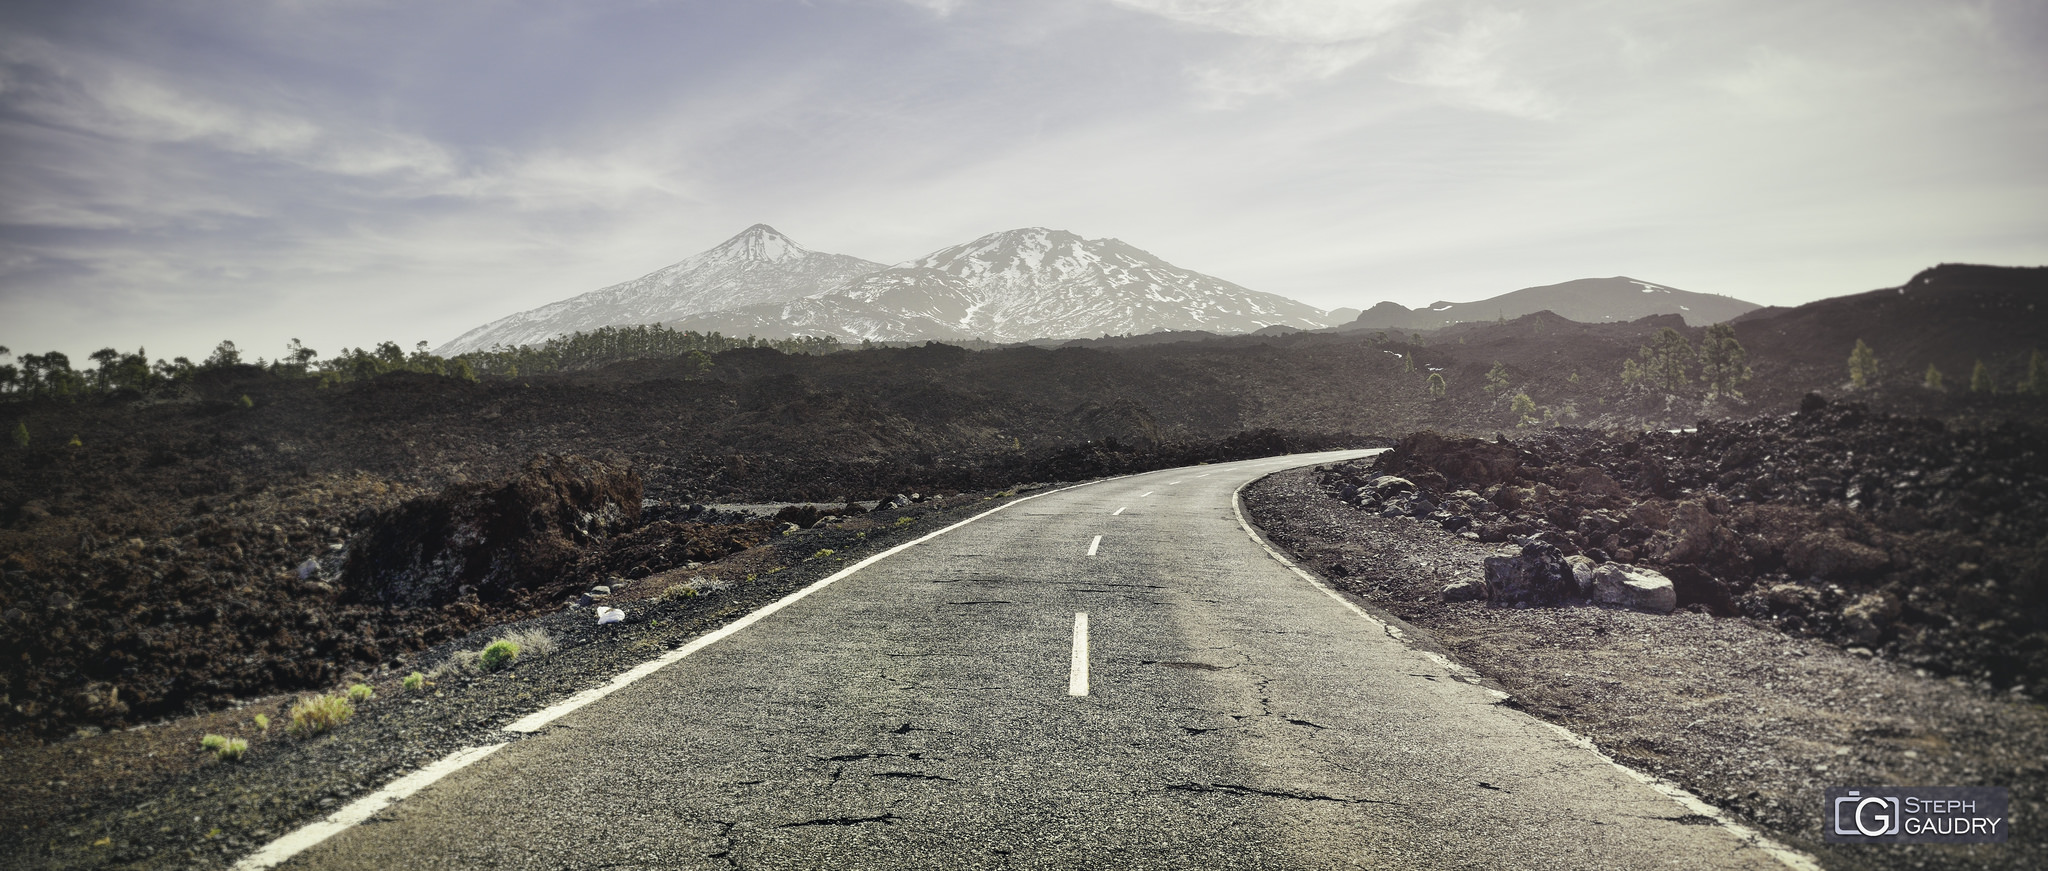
1296, 21
1281, 44
1469, 66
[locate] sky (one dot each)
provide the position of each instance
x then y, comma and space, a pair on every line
346, 172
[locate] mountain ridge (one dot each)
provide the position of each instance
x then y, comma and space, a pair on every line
1017, 285
1586, 300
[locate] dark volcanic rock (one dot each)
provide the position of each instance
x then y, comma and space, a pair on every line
495, 540
1538, 576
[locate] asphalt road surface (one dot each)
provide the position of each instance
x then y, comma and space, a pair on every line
922, 713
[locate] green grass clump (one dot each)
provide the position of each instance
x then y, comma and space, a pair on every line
905, 521
314, 715
414, 682
263, 723
680, 591
224, 748
822, 553
498, 654
360, 693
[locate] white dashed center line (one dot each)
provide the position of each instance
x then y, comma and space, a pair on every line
1118, 511
1094, 544
1077, 676
1146, 493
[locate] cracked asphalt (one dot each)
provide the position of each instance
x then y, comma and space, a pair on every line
916, 715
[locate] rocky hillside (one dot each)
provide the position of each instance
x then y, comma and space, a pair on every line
1900, 535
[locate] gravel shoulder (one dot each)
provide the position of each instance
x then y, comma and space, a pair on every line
150, 797
1749, 719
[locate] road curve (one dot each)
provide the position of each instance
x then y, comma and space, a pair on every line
925, 712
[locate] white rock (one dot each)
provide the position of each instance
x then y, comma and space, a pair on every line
609, 615
1636, 588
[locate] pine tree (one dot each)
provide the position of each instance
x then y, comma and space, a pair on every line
1524, 409
1667, 362
1980, 379
2037, 379
1496, 378
1863, 370
1933, 378
1724, 365
21, 435
1437, 385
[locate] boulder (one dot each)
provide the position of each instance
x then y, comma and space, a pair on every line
1582, 568
1470, 462
1467, 590
1536, 576
1635, 588
1388, 485
500, 540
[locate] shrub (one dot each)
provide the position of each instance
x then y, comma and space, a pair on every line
822, 553
498, 654
359, 693
224, 748
415, 682
1437, 385
679, 591
21, 435
314, 715
533, 643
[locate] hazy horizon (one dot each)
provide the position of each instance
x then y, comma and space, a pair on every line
352, 172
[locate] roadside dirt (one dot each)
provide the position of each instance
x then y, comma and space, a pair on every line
1748, 717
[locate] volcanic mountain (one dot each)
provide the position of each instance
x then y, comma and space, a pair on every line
1031, 283
1586, 300
757, 266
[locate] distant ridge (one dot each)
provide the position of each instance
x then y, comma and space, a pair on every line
1586, 300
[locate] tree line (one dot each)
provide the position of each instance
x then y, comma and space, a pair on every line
51, 375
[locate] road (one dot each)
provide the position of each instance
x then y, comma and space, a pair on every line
921, 713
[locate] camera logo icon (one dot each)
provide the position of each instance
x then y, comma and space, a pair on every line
1871, 816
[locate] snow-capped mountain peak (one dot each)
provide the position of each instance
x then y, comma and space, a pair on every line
1027, 283
758, 266
758, 243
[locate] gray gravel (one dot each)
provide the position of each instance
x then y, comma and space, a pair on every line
1751, 720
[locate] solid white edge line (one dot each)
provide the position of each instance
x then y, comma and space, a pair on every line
359, 810
1789, 857
1077, 673
1092, 545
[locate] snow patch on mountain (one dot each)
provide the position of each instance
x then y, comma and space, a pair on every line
758, 266
1016, 285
